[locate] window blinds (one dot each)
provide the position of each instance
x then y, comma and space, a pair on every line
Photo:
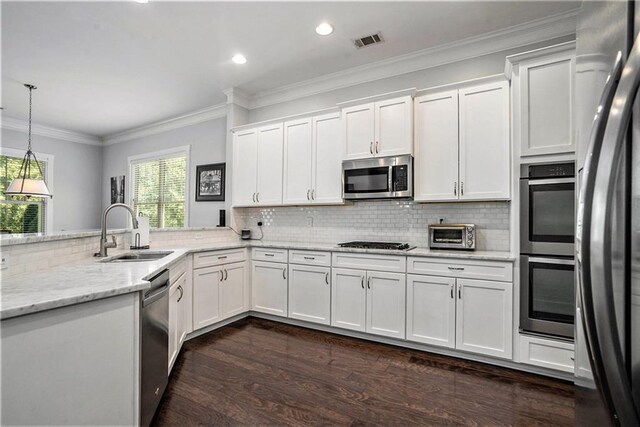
159, 190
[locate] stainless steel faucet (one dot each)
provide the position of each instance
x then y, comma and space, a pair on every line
104, 245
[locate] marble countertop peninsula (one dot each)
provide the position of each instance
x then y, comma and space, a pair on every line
91, 279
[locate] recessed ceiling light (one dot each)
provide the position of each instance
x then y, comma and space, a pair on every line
324, 29
238, 58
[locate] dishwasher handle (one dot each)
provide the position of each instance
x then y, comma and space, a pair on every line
159, 294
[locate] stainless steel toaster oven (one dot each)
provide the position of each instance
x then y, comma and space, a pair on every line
452, 236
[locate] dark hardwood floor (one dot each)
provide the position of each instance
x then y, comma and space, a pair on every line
257, 372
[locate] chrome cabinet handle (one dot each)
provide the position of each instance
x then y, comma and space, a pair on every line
221, 278
222, 257
284, 273
362, 281
451, 291
308, 194
597, 251
455, 188
376, 147
181, 293
226, 274
459, 291
269, 254
258, 196
326, 277
310, 257
456, 268
368, 282
462, 188
371, 147
313, 194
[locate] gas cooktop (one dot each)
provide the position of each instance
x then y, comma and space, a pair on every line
377, 245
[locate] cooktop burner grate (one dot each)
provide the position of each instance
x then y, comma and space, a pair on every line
377, 245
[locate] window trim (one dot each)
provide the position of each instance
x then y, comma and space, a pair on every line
157, 155
49, 201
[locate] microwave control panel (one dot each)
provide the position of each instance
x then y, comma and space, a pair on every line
400, 178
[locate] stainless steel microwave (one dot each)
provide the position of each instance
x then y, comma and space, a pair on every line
378, 178
452, 236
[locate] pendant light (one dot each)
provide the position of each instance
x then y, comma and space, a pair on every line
23, 184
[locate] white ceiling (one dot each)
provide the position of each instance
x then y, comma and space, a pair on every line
102, 68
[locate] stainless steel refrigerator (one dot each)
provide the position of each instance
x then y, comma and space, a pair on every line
608, 218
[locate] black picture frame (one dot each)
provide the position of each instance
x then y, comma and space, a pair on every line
117, 189
210, 182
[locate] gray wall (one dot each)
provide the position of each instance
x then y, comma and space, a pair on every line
77, 172
468, 69
207, 141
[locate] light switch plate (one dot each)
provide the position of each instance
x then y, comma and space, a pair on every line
4, 261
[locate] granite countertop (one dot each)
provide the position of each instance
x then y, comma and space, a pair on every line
91, 279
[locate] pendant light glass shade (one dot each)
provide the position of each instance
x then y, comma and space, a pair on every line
24, 184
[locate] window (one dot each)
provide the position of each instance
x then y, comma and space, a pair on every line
158, 187
22, 214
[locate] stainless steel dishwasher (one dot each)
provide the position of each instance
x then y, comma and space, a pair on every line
154, 349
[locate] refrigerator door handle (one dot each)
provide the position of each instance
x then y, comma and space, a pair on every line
613, 378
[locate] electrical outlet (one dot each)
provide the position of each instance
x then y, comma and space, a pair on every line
199, 236
4, 261
310, 221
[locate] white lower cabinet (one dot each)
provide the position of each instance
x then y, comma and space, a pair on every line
484, 319
177, 319
310, 293
369, 301
466, 314
269, 288
234, 290
431, 310
219, 292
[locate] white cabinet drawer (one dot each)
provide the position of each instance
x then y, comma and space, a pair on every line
209, 259
390, 263
273, 255
463, 268
550, 354
310, 258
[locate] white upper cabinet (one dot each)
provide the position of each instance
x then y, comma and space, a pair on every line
394, 127
313, 153
359, 131
463, 144
269, 185
328, 150
379, 129
298, 161
245, 155
257, 166
543, 83
436, 159
484, 142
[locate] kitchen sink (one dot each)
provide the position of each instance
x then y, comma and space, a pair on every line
139, 256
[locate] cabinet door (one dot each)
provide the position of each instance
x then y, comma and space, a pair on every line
348, 299
270, 145
386, 301
328, 150
174, 295
245, 154
310, 293
298, 146
358, 131
546, 104
394, 127
206, 297
269, 288
484, 142
183, 312
431, 310
233, 289
484, 317
436, 159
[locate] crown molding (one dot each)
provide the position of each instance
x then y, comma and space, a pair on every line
195, 117
548, 28
238, 97
65, 135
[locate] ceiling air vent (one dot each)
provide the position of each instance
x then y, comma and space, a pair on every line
368, 40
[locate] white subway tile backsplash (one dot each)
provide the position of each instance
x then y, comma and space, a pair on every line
399, 221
